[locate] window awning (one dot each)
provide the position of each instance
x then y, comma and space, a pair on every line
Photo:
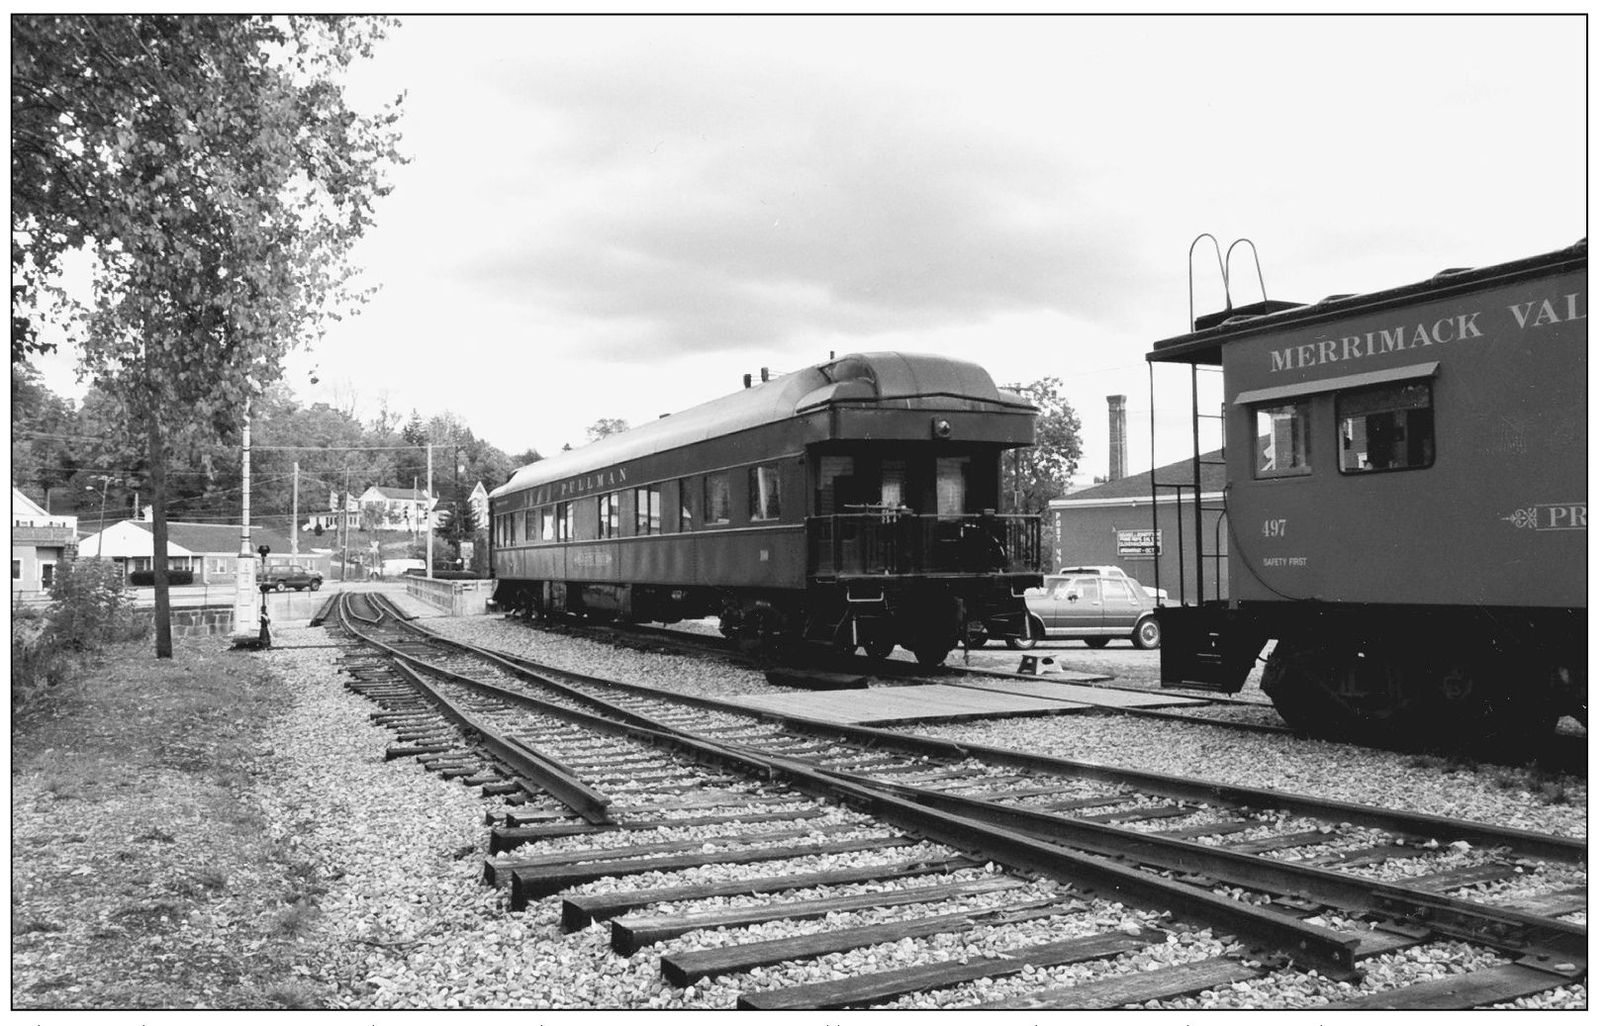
1302, 388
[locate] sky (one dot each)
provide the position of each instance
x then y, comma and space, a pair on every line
620, 217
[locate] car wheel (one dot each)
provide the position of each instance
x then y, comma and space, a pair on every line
279, 585
1021, 643
1147, 633
314, 586
1097, 642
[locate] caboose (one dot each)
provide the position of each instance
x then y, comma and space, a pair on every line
853, 503
1405, 508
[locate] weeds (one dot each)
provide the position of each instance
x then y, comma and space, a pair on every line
292, 994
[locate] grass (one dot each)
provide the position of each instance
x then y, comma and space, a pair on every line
141, 861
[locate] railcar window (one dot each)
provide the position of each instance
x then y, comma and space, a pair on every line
684, 504
565, 514
717, 499
894, 484
765, 493
609, 515
547, 523
950, 478
1385, 428
1282, 441
648, 510
531, 521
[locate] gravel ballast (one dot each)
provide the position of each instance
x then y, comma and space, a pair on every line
403, 920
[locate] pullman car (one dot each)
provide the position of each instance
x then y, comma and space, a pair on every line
1406, 505
852, 503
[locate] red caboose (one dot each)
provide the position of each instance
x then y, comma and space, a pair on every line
1406, 506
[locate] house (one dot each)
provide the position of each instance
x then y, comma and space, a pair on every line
207, 550
331, 521
1112, 524
39, 542
401, 509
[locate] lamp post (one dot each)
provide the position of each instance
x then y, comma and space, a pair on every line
263, 586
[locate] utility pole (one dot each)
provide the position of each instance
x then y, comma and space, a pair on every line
346, 520
296, 481
430, 512
244, 632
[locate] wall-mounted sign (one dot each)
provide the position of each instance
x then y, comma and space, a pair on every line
1139, 543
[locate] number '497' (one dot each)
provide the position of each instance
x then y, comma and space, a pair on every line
1274, 528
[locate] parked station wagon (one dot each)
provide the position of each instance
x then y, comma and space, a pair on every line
1092, 607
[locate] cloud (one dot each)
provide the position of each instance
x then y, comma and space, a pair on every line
749, 206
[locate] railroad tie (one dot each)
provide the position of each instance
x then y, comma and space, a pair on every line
1491, 986
859, 991
496, 872
1135, 988
578, 910
682, 968
538, 883
629, 933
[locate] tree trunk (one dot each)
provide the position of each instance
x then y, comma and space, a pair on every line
159, 535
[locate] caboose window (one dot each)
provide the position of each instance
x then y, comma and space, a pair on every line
765, 492
1387, 428
1282, 433
648, 510
717, 499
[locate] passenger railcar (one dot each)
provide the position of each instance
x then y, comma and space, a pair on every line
852, 502
1406, 503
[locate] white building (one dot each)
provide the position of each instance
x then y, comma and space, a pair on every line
207, 550
39, 542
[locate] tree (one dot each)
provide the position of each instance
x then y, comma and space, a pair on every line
605, 427
215, 172
1039, 473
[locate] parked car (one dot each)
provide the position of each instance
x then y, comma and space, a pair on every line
292, 576
1114, 571
1095, 608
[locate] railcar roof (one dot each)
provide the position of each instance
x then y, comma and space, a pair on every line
881, 379
1205, 346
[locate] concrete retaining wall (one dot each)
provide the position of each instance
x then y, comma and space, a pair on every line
455, 598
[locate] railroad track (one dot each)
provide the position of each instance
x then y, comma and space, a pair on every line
969, 838
1566, 752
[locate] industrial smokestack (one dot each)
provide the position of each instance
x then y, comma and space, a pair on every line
1117, 439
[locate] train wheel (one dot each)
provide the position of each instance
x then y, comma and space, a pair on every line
1334, 691
878, 648
932, 652
1490, 705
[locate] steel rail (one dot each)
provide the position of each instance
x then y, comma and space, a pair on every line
1442, 828
520, 757
1311, 946
1036, 840
1543, 942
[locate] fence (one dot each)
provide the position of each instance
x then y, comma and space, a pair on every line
455, 598
900, 542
